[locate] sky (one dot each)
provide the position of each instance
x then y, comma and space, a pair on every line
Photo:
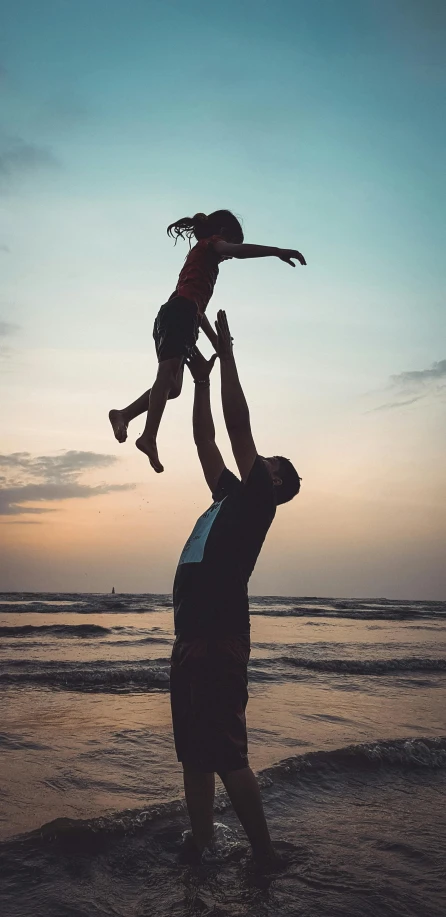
321, 125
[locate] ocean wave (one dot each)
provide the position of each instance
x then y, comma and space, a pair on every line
360, 614
123, 676
14, 742
278, 606
367, 666
314, 606
55, 630
107, 677
79, 608
70, 631
410, 754
138, 640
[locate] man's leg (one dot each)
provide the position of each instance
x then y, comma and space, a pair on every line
199, 789
244, 793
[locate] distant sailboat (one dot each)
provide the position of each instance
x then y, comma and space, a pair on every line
113, 590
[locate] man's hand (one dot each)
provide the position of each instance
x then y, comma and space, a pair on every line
200, 368
224, 336
286, 254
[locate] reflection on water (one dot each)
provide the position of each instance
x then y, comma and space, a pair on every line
86, 725
345, 719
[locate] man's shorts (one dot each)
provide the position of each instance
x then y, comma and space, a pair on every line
208, 695
176, 328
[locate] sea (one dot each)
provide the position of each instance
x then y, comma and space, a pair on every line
347, 734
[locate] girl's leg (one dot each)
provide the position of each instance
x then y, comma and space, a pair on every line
167, 385
121, 419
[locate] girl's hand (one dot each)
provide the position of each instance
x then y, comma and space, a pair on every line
199, 367
285, 254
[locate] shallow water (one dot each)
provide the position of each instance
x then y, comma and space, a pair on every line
350, 693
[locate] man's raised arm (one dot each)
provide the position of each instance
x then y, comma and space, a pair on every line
202, 420
235, 408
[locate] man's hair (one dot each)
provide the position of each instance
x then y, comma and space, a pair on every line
203, 226
290, 485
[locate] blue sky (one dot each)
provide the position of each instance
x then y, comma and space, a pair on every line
321, 125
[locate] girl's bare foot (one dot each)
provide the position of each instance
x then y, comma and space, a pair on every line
119, 425
148, 446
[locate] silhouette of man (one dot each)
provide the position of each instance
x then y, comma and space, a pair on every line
209, 682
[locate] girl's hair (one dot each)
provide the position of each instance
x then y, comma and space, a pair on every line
202, 226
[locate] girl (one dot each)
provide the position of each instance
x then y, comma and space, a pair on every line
219, 237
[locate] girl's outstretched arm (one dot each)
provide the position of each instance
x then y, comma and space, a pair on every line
233, 250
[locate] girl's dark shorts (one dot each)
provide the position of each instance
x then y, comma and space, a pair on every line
208, 695
176, 327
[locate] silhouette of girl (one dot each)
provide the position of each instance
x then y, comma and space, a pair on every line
219, 236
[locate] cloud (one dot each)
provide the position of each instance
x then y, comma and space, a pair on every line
56, 468
5, 248
5, 354
415, 385
7, 328
420, 376
19, 157
394, 404
46, 478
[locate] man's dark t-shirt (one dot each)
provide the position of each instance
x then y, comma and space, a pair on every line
210, 593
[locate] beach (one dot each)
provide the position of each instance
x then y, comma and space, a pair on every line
346, 730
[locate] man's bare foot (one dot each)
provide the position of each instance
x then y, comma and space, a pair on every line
119, 425
271, 862
148, 446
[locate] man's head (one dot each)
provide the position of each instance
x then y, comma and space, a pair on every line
285, 478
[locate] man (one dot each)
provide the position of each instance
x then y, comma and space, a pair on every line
210, 655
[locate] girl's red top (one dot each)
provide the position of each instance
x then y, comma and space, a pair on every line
199, 273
